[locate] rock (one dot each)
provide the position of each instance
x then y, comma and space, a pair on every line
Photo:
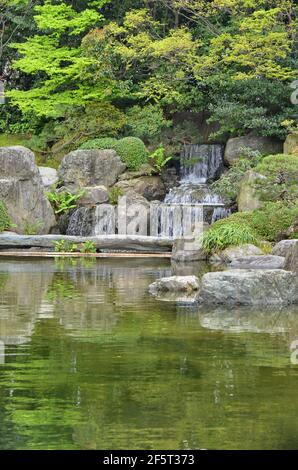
234, 252
175, 284
133, 198
133, 243
185, 251
249, 287
22, 191
264, 145
94, 195
291, 145
83, 168
282, 248
248, 198
145, 170
49, 176
258, 262
290, 232
150, 187
292, 258
170, 178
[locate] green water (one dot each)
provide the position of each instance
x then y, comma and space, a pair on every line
91, 361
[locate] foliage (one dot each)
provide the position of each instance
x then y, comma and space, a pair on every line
232, 231
132, 152
88, 247
228, 185
251, 227
146, 122
62, 246
281, 173
114, 194
159, 159
5, 222
63, 201
103, 143
32, 228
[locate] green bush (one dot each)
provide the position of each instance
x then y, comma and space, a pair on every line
281, 181
233, 231
146, 123
5, 222
273, 218
251, 227
103, 144
132, 152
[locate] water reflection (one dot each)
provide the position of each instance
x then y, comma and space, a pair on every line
92, 361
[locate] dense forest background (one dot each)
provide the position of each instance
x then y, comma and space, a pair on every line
166, 71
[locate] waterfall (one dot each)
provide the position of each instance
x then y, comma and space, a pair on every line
201, 163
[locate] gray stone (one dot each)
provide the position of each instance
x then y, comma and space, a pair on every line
249, 287
292, 258
248, 198
234, 252
175, 284
135, 243
145, 170
83, 168
94, 195
49, 176
258, 262
282, 248
264, 145
22, 191
150, 187
185, 251
291, 145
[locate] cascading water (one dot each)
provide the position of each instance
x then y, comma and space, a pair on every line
200, 164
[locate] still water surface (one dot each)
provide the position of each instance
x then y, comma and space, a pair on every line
88, 360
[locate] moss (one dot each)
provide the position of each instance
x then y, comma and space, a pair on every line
5, 222
103, 143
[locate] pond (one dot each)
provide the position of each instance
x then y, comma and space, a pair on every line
88, 360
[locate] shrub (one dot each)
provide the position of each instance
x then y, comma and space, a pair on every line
273, 218
88, 247
147, 122
103, 143
159, 159
232, 231
64, 201
132, 152
114, 195
5, 222
281, 181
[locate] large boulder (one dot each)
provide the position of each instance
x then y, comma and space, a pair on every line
94, 195
150, 187
264, 145
283, 247
249, 287
292, 258
83, 168
22, 191
291, 145
236, 252
49, 177
248, 198
258, 262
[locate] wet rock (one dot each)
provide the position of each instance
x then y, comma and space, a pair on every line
22, 190
258, 262
186, 251
175, 284
264, 145
249, 287
83, 168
